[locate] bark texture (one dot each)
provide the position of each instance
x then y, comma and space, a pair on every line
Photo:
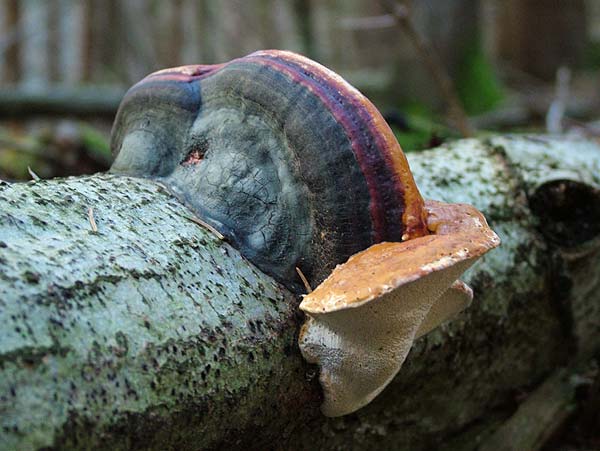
151, 333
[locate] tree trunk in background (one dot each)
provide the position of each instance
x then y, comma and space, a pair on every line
452, 27
114, 41
141, 49
383, 61
87, 41
190, 51
304, 24
153, 334
13, 27
102, 43
539, 36
70, 52
34, 40
168, 32
53, 44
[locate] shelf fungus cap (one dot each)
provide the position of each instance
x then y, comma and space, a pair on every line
293, 165
363, 319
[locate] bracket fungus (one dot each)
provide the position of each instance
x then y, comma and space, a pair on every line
279, 154
298, 169
365, 316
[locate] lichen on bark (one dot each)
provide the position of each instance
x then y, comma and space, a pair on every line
149, 317
154, 334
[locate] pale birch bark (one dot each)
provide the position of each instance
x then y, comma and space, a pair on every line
151, 333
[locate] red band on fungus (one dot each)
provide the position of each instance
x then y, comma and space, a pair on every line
396, 205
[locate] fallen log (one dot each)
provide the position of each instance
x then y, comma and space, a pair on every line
151, 332
98, 101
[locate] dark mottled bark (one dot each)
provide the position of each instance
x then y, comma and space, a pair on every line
151, 333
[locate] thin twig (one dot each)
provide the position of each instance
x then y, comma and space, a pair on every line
92, 220
404, 20
207, 226
33, 175
304, 280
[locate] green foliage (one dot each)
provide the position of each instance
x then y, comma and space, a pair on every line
95, 144
51, 152
592, 55
424, 129
13, 164
17, 153
476, 83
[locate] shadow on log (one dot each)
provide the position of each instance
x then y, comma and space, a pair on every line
153, 333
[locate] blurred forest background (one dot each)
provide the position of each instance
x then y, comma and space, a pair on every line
513, 64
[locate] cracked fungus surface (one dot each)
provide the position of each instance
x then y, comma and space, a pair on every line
108, 320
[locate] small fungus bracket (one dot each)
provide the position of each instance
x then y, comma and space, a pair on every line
363, 319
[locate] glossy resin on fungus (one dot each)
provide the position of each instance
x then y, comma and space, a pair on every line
300, 171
